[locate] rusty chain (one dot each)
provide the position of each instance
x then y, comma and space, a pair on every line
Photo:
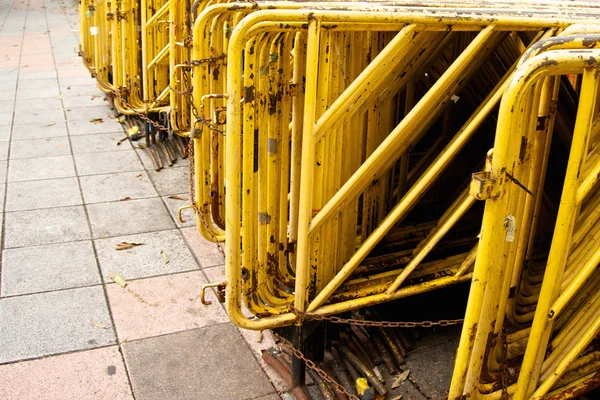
193, 199
380, 324
311, 364
141, 115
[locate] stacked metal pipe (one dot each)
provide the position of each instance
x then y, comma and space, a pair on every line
343, 153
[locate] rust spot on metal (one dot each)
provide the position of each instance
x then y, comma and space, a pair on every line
523, 149
248, 94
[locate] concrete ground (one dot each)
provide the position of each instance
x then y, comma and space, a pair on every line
69, 196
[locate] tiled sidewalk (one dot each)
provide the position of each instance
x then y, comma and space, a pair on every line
67, 331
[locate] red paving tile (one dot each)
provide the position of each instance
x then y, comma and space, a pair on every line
161, 305
92, 374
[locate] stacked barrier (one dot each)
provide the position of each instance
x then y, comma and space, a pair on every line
340, 150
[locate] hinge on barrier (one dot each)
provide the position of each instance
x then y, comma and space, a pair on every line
121, 16
483, 186
220, 292
110, 16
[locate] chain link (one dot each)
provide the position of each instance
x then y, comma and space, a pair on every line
324, 375
193, 199
140, 115
380, 324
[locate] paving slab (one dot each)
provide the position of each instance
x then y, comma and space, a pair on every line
86, 375
38, 130
42, 147
145, 260
169, 181
100, 143
107, 162
51, 267
208, 363
89, 98
38, 93
206, 252
31, 195
55, 322
129, 217
47, 226
26, 106
85, 127
3, 150
82, 90
41, 168
5, 131
116, 187
87, 114
161, 305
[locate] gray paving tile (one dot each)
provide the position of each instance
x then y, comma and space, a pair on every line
89, 113
273, 396
76, 81
55, 322
38, 93
39, 130
47, 226
107, 162
206, 252
36, 75
42, 147
169, 181
38, 84
116, 186
28, 169
5, 133
206, 363
174, 203
84, 100
42, 116
100, 142
81, 90
145, 260
38, 104
7, 105
52, 193
3, 165
85, 127
128, 217
51, 267
3, 150
6, 118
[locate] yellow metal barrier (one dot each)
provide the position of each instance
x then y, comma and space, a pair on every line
336, 195
554, 325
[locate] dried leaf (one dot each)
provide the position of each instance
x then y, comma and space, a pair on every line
400, 378
138, 175
164, 256
51, 124
98, 324
397, 397
118, 278
127, 245
175, 197
125, 198
96, 120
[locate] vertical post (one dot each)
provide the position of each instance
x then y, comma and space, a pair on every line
305, 204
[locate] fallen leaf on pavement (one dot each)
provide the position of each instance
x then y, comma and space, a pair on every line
175, 197
118, 278
127, 245
164, 256
96, 120
98, 324
400, 378
125, 198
